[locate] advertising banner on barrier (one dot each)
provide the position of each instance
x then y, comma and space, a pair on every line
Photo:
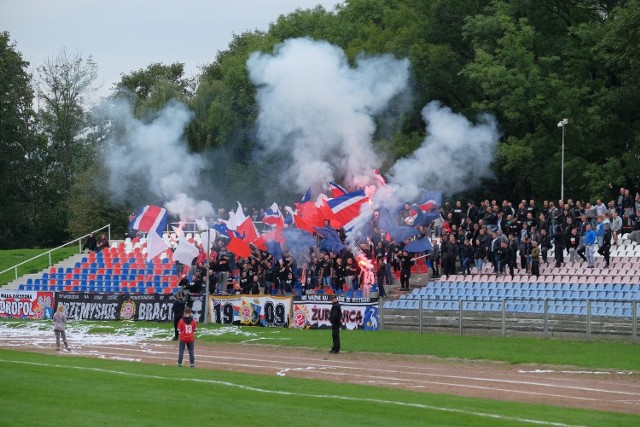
150, 307
312, 312
26, 305
250, 310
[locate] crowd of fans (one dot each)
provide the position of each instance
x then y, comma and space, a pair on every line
464, 239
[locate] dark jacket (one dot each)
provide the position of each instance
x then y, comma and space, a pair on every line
335, 316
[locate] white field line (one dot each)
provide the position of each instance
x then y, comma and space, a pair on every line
389, 380
324, 365
309, 395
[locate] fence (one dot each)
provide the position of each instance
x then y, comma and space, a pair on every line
584, 319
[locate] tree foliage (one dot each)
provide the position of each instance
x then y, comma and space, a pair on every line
530, 64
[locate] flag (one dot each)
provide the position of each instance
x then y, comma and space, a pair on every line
429, 200
208, 238
185, 252
302, 224
336, 190
326, 213
239, 247
202, 224
225, 231
306, 196
309, 213
273, 216
240, 216
155, 245
248, 230
274, 249
385, 221
347, 208
150, 218
331, 241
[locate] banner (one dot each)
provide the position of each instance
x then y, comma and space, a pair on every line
149, 307
312, 312
250, 310
26, 305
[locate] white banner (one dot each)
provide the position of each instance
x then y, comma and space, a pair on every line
312, 312
250, 310
26, 305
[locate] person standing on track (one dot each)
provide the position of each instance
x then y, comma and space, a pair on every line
187, 327
59, 322
335, 316
178, 312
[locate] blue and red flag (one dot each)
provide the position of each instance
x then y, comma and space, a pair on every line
273, 216
306, 196
347, 208
336, 190
150, 218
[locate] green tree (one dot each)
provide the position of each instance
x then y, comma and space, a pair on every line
21, 151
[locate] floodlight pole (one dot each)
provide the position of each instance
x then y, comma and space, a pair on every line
563, 125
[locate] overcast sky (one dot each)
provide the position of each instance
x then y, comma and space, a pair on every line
126, 35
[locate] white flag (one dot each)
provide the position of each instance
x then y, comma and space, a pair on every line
155, 245
185, 252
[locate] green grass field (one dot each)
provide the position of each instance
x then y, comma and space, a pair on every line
41, 389
9, 258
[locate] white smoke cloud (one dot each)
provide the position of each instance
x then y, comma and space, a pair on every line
316, 111
154, 157
455, 155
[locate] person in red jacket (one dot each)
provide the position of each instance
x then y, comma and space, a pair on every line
186, 329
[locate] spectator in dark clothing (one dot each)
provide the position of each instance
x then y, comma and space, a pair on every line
103, 243
178, 312
606, 244
335, 317
91, 243
558, 242
406, 261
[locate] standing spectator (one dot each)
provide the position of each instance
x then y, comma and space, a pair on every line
535, 259
380, 275
406, 261
339, 272
525, 254
326, 273
335, 316
573, 242
558, 244
178, 312
606, 244
450, 256
59, 323
590, 241
545, 244
616, 227
91, 244
187, 327
434, 257
222, 272
480, 254
467, 257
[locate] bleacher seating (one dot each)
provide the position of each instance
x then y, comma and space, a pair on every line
611, 291
120, 268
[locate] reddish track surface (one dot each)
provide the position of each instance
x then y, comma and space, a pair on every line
569, 387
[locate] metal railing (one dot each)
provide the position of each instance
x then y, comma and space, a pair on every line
48, 253
505, 320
